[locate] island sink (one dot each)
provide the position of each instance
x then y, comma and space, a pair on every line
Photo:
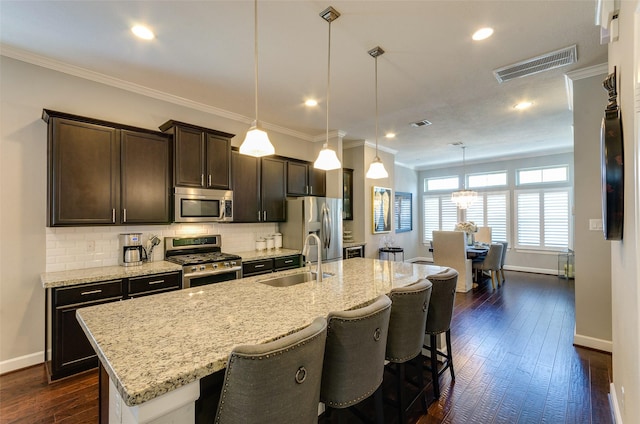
293, 279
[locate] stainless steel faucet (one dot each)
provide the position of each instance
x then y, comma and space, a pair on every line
305, 252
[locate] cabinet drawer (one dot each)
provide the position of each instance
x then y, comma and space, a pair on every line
287, 262
88, 292
156, 283
257, 267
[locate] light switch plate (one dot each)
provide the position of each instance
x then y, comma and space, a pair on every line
595, 225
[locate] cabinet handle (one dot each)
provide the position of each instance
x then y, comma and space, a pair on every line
306, 189
310, 189
156, 282
289, 261
113, 215
124, 215
202, 180
258, 215
264, 215
209, 180
90, 292
259, 266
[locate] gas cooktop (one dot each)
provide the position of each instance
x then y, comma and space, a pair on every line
200, 258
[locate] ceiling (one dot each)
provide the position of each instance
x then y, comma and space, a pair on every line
204, 52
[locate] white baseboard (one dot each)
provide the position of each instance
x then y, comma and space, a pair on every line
532, 270
592, 343
613, 400
21, 362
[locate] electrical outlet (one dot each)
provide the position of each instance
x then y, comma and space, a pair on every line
595, 225
91, 246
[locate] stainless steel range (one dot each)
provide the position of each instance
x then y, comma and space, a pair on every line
201, 259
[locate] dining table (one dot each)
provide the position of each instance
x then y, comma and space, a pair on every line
474, 252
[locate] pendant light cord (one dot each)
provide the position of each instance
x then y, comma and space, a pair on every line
376, 75
326, 144
464, 169
255, 53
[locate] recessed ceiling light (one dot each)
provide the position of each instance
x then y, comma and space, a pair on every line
482, 34
143, 32
390, 135
311, 102
523, 105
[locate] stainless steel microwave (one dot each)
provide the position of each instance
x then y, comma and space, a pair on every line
202, 205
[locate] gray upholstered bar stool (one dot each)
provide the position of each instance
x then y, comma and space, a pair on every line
275, 382
406, 336
443, 295
354, 358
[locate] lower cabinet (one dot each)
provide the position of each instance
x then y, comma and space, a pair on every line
68, 350
265, 266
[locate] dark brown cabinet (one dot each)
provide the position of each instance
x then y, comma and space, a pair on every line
347, 194
68, 350
103, 173
265, 266
304, 180
201, 155
259, 188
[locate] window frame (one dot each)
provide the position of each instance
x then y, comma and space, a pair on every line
399, 228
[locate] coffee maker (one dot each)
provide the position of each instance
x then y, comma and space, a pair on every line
130, 249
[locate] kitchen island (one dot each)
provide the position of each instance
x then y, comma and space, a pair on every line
156, 349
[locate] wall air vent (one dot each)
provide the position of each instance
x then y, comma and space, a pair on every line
545, 62
422, 123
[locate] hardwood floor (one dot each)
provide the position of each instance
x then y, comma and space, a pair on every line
513, 357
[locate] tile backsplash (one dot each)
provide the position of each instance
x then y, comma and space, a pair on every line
90, 247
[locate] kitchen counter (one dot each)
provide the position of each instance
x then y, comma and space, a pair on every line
251, 255
152, 346
353, 244
104, 273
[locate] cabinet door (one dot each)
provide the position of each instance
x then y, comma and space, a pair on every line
145, 178
83, 173
218, 158
297, 178
261, 266
189, 157
246, 187
347, 194
274, 190
317, 181
157, 283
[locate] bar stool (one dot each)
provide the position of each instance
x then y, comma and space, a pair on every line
443, 295
354, 358
406, 335
275, 382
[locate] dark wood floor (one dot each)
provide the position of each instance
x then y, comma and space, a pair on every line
513, 357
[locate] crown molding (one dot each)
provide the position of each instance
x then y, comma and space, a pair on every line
579, 74
332, 134
66, 68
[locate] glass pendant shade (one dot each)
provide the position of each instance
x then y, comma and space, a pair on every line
327, 159
376, 170
464, 198
256, 143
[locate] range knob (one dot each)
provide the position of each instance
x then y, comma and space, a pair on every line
203, 267
214, 266
234, 263
194, 268
226, 264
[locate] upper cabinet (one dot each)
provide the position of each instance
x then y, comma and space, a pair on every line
201, 155
102, 173
347, 194
259, 188
304, 180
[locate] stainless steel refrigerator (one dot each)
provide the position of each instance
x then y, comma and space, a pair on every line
319, 215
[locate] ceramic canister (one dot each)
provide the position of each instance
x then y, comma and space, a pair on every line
261, 244
277, 240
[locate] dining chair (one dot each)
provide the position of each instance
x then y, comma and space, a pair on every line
450, 250
409, 306
505, 244
483, 235
440, 312
491, 263
354, 358
278, 381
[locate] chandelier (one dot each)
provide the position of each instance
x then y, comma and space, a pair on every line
464, 198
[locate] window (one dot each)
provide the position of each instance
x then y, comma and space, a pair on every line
403, 213
439, 213
441, 183
543, 175
491, 210
491, 179
543, 219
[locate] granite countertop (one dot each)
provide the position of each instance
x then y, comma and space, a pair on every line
152, 345
252, 255
89, 275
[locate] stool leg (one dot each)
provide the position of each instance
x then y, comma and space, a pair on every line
401, 400
450, 354
379, 407
434, 367
423, 394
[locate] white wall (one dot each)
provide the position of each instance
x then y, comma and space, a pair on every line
406, 180
25, 240
624, 54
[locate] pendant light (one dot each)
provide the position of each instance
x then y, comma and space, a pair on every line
256, 142
376, 169
327, 158
464, 198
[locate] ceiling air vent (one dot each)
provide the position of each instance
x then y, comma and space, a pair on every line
422, 123
545, 62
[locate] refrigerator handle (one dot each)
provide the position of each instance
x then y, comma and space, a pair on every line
326, 220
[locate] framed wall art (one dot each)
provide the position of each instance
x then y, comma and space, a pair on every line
381, 202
